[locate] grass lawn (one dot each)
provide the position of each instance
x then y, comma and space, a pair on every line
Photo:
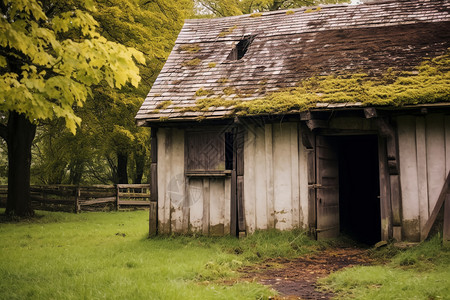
108, 256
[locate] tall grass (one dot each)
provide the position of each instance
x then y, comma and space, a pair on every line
422, 272
108, 256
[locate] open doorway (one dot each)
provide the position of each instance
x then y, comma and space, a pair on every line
359, 189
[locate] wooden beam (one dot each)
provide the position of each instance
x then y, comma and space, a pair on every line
314, 124
370, 112
432, 219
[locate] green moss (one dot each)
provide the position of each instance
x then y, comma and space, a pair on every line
163, 105
289, 12
192, 62
256, 15
223, 80
227, 31
212, 65
205, 103
191, 48
310, 10
163, 119
229, 91
203, 92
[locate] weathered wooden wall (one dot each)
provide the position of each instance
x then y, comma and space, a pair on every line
424, 153
275, 180
188, 204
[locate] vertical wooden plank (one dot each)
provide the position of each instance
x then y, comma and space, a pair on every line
227, 203
117, 197
269, 175
435, 156
282, 176
447, 143
260, 180
195, 196
168, 176
176, 182
152, 230
385, 196
233, 203
154, 167
303, 181
217, 206
446, 229
240, 204
161, 172
249, 178
408, 178
295, 192
240, 140
206, 204
422, 177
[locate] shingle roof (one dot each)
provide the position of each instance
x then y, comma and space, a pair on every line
291, 46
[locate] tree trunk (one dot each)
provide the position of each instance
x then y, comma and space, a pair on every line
20, 135
140, 162
122, 164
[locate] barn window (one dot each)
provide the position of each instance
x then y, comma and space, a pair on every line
208, 153
241, 48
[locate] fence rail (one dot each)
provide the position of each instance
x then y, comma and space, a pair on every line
86, 198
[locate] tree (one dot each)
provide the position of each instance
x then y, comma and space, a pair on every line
50, 54
224, 8
117, 148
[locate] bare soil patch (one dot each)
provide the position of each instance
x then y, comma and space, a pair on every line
296, 278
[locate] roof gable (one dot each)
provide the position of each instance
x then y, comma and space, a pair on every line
290, 46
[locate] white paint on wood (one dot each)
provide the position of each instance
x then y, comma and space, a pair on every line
249, 178
260, 180
176, 180
435, 140
269, 175
295, 197
422, 180
195, 194
217, 201
303, 182
408, 167
282, 176
162, 166
227, 212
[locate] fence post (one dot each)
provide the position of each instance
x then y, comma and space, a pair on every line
77, 199
117, 197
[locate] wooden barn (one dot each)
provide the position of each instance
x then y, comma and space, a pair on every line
334, 119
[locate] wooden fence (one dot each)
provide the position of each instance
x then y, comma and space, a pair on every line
86, 198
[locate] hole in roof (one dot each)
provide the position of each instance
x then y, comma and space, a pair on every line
241, 48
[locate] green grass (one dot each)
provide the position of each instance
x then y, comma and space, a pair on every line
422, 272
108, 256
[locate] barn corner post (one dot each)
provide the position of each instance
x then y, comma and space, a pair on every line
153, 211
237, 218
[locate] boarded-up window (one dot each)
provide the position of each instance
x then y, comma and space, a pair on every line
205, 152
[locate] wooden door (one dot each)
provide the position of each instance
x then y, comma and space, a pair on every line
327, 184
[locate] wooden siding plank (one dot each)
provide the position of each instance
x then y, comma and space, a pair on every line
282, 176
217, 206
447, 143
260, 180
269, 175
446, 229
240, 204
177, 181
163, 225
408, 177
233, 203
385, 196
303, 181
195, 194
249, 179
206, 205
422, 177
435, 156
227, 203
295, 192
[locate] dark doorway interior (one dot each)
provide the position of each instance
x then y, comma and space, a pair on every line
359, 189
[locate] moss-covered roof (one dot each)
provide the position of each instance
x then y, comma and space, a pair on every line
368, 54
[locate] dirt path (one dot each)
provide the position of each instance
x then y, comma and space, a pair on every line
296, 279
